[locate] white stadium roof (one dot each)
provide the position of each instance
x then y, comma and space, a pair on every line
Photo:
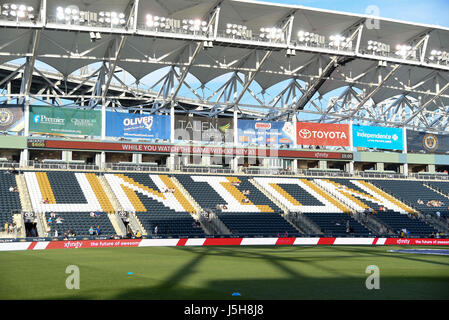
320, 68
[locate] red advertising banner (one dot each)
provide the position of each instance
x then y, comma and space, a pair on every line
159, 148
417, 242
93, 244
322, 134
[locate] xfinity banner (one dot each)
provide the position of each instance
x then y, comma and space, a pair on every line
204, 129
265, 133
377, 137
11, 118
65, 121
130, 125
322, 134
423, 142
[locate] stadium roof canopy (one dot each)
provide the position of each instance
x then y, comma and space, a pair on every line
381, 85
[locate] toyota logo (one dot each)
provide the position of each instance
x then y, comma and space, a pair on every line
305, 133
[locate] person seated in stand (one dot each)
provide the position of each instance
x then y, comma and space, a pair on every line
92, 214
245, 200
419, 201
97, 214
11, 189
52, 215
91, 231
59, 219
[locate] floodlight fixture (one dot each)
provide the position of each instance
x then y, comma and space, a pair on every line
439, 56
340, 42
272, 34
310, 38
17, 12
405, 51
195, 26
378, 48
238, 31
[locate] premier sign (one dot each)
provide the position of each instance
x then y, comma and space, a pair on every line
322, 134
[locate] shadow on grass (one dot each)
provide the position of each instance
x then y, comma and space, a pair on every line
334, 285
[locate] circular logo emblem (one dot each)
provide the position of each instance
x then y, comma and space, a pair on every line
395, 137
430, 142
305, 133
6, 117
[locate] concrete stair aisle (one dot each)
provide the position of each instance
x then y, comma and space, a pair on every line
108, 190
213, 223
117, 223
135, 224
25, 200
115, 219
18, 219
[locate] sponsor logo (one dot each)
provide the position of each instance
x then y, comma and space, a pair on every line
83, 122
225, 127
137, 123
307, 134
321, 155
263, 125
6, 117
403, 241
40, 118
73, 244
430, 142
395, 137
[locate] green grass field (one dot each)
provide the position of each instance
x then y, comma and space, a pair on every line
284, 272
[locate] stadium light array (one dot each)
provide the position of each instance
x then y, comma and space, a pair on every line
340, 42
439, 56
111, 18
72, 15
17, 12
376, 47
272, 34
405, 51
309, 38
161, 23
238, 31
194, 26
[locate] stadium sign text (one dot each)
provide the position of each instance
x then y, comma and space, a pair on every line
177, 149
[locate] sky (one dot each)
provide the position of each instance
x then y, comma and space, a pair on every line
434, 12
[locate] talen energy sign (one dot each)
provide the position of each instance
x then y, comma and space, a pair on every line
65, 121
265, 132
204, 129
322, 134
129, 125
377, 137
